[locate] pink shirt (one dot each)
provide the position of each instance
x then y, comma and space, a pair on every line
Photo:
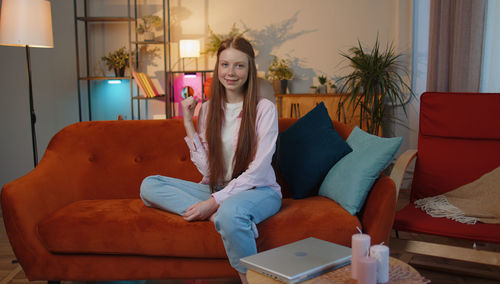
260, 173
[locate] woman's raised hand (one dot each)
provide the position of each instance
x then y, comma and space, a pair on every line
188, 106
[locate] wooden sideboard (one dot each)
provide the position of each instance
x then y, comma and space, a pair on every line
297, 105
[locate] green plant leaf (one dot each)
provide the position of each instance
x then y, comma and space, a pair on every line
375, 82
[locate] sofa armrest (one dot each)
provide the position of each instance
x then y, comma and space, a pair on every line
379, 210
29, 199
399, 169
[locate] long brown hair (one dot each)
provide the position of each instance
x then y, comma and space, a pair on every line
245, 149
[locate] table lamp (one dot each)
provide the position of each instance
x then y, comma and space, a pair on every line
27, 23
189, 48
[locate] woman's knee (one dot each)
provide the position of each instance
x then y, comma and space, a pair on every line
148, 187
229, 218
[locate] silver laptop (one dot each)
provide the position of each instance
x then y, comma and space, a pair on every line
299, 261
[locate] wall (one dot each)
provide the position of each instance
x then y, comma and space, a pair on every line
309, 33
54, 92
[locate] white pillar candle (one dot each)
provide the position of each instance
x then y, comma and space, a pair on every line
360, 244
367, 270
381, 254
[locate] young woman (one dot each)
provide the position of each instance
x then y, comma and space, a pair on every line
232, 149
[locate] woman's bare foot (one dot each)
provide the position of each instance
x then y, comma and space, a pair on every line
243, 278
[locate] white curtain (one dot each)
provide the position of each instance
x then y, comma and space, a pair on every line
455, 45
490, 72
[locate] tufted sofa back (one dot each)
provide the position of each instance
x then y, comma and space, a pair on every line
109, 159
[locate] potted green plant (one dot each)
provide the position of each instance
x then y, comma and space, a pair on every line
280, 70
214, 39
313, 89
376, 82
149, 23
322, 82
117, 61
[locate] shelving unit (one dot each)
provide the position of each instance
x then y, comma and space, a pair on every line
85, 78
134, 45
201, 76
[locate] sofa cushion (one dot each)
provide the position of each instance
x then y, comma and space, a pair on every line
128, 227
315, 216
307, 150
413, 219
349, 181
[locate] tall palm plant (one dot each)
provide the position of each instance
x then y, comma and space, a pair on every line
375, 82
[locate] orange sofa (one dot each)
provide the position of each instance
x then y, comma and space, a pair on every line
77, 216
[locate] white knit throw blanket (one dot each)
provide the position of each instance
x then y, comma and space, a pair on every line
470, 203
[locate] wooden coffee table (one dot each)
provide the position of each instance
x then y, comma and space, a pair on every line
399, 272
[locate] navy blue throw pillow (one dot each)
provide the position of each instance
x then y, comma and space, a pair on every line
307, 150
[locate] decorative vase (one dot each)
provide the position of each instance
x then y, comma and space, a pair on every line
120, 72
149, 36
284, 85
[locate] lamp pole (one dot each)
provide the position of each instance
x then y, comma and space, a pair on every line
32, 109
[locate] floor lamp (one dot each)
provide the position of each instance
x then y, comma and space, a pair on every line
27, 23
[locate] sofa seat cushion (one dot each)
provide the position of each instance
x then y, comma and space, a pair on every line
127, 226
315, 216
415, 220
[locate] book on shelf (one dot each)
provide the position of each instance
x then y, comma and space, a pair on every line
145, 85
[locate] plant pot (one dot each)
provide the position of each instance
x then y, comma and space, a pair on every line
276, 86
149, 36
120, 72
284, 85
313, 90
332, 90
322, 89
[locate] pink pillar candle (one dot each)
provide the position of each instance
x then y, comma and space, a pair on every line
367, 270
360, 244
381, 254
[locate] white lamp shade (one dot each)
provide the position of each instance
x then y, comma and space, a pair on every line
189, 48
26, 22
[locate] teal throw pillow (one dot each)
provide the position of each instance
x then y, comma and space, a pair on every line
307, 150
349, 181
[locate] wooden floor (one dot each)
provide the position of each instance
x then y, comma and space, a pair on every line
434, 269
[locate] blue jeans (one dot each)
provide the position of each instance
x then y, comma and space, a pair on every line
235, 219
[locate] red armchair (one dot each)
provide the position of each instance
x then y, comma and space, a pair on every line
458, 142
